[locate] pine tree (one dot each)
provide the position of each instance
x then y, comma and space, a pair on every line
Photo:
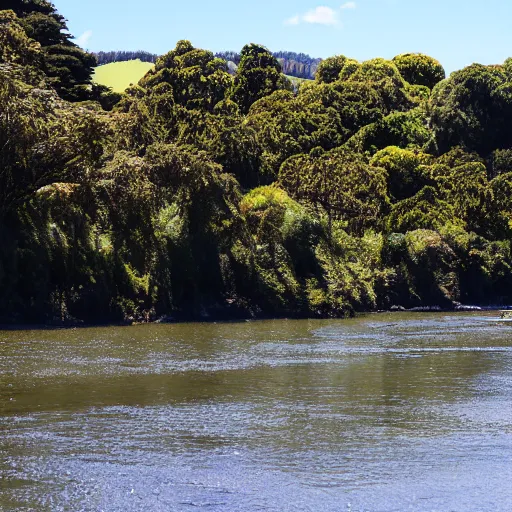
68, 66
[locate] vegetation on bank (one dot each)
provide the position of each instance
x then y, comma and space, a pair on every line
197, 193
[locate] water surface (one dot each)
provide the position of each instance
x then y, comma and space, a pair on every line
381, 413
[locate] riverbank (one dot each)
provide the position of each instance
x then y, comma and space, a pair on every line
211, 318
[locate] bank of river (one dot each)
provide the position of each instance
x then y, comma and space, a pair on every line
388, 412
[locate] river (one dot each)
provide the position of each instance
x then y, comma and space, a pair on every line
388, 412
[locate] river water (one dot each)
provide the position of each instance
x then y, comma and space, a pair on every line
398, 412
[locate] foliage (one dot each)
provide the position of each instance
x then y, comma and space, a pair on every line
68, 66
16, 47
258, 75
339, 182
286, 126
298, 65
402, 129
473, 109
198, 79
329, 69
425, 210
419, 69
406, 170
200, 194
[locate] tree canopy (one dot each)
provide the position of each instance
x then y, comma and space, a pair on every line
201, 192
68, 67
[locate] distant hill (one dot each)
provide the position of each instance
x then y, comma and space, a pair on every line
122, 56
119, 75
298, 65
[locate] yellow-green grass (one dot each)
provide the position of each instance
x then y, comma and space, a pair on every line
119, 75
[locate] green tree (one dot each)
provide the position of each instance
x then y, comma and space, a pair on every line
407, 172
340, 183
467, 189
198, 79
473, 109
15, 46
258, 75
403, 129
500, 162
350, 105
420, 69
68, 66
226, 138
286, 126
43, 140
384, 77
500, 217
329, 70
425, 210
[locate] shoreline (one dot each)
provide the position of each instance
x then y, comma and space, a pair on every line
169, 320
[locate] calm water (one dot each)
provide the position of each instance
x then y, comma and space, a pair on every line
383, 413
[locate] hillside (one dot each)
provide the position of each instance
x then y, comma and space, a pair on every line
119, 75
205, 194
294, 65
297, 65
123, 56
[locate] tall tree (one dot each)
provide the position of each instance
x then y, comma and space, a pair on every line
258, 75
68, 66
419, 69
198, 79
473, 109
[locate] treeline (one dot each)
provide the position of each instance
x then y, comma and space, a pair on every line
200, 194
124, 56
229, 56
298, 65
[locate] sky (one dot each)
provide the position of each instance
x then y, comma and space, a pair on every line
456, 32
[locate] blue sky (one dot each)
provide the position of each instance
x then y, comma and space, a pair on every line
456, 32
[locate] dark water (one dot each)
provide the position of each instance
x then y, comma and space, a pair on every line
382, 413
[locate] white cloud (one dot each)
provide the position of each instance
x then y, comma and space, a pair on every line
84, 38
321, 15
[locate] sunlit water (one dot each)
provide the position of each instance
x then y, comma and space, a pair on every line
382, 413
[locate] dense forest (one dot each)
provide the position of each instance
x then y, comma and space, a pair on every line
198, 194
124, 56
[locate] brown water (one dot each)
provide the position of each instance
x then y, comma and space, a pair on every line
382, 413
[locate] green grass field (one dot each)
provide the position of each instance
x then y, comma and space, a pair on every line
119, 75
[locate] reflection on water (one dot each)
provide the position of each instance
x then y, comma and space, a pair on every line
385, 412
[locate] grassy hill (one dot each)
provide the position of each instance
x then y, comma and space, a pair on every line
119, 75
